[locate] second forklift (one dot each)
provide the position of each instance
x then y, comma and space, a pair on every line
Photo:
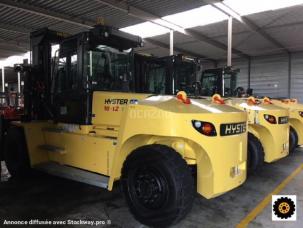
268, 137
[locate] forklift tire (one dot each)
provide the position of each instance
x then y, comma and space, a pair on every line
158, 185
255, 154
15, 153
293, 140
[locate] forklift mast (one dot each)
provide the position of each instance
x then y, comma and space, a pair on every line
37, 76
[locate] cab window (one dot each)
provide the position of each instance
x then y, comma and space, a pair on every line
109, 69
67, 72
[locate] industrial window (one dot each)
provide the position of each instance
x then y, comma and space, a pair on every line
209, 84
155, 79
67, 73
109, 69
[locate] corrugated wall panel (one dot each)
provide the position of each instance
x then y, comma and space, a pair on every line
297, 76
269, 76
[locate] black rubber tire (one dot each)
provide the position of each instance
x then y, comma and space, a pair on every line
293, 140
15, 153
157, 172
255, 154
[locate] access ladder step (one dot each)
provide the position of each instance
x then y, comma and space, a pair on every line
75, 174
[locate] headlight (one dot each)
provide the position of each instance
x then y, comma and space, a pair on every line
204, 128
271, 119
301, 113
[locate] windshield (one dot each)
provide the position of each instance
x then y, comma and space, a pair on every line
230, 84
212, 83
156, 80
209, 84
110, 69
106, 68
185, 78
163, 78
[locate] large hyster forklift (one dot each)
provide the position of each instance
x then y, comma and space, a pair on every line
224, 81
268, 137
268, 123
295, 119
84, 122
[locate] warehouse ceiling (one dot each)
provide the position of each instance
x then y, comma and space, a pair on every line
264, 33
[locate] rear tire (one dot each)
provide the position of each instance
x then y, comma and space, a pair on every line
255, 154
293, 139
158, 185
15, 153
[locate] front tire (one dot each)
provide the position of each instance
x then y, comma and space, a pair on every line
293, 139
158, 185
255, 154
15, 153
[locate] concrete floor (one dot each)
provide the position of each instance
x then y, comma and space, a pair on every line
47, 197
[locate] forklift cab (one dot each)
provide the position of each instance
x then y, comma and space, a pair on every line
152, 74
166, 75
97, 60
221, 81
171, 74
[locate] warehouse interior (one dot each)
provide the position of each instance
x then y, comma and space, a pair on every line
263, 39
267, 44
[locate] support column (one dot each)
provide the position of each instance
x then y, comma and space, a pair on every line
171, 42
171, 53
289, 74
229, 41
19, 83
249, 72
3, 80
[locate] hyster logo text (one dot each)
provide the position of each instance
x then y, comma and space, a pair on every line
116, 101
232, 129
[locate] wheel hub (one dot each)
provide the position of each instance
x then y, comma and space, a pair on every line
284, 208
150, 188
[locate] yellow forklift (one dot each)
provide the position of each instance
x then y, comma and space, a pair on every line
84, 121
268, 123
295, 119
229, 89
268, 127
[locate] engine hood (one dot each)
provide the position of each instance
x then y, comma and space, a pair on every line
172, 104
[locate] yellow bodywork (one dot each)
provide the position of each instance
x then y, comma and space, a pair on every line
123, 122
273, 137
295, 119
